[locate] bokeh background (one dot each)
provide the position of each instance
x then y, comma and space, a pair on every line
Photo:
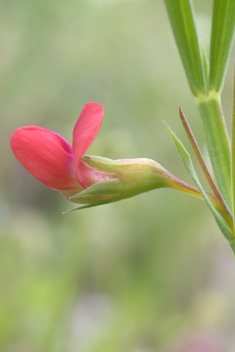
152, 273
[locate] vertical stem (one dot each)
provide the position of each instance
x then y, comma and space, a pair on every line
217, 141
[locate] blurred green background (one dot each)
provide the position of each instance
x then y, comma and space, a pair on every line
152, 273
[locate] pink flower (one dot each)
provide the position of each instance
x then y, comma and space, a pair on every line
83, 179
52, 160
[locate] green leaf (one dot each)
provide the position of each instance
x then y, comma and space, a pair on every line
222, 36
206, 66
233, 153
223, 208
190, 168
182, 20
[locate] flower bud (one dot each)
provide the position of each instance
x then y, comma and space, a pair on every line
125, 178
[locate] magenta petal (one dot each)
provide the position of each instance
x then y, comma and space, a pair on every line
84, 133
46, 155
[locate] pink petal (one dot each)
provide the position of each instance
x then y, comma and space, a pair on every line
46, 155
84, 133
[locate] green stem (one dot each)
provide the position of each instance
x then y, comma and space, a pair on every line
217, 141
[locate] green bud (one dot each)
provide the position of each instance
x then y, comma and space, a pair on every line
126, 178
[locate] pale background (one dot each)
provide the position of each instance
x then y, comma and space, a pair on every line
146, 274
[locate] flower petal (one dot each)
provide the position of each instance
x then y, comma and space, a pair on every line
46, 155
84, 133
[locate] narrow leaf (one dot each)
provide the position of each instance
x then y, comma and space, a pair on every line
206, 66
182, 20
222, 36
216, 191
233, 152
190, 168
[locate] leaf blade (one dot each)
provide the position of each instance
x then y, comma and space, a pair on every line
183, 25
190, 168
233, 154
222, 37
